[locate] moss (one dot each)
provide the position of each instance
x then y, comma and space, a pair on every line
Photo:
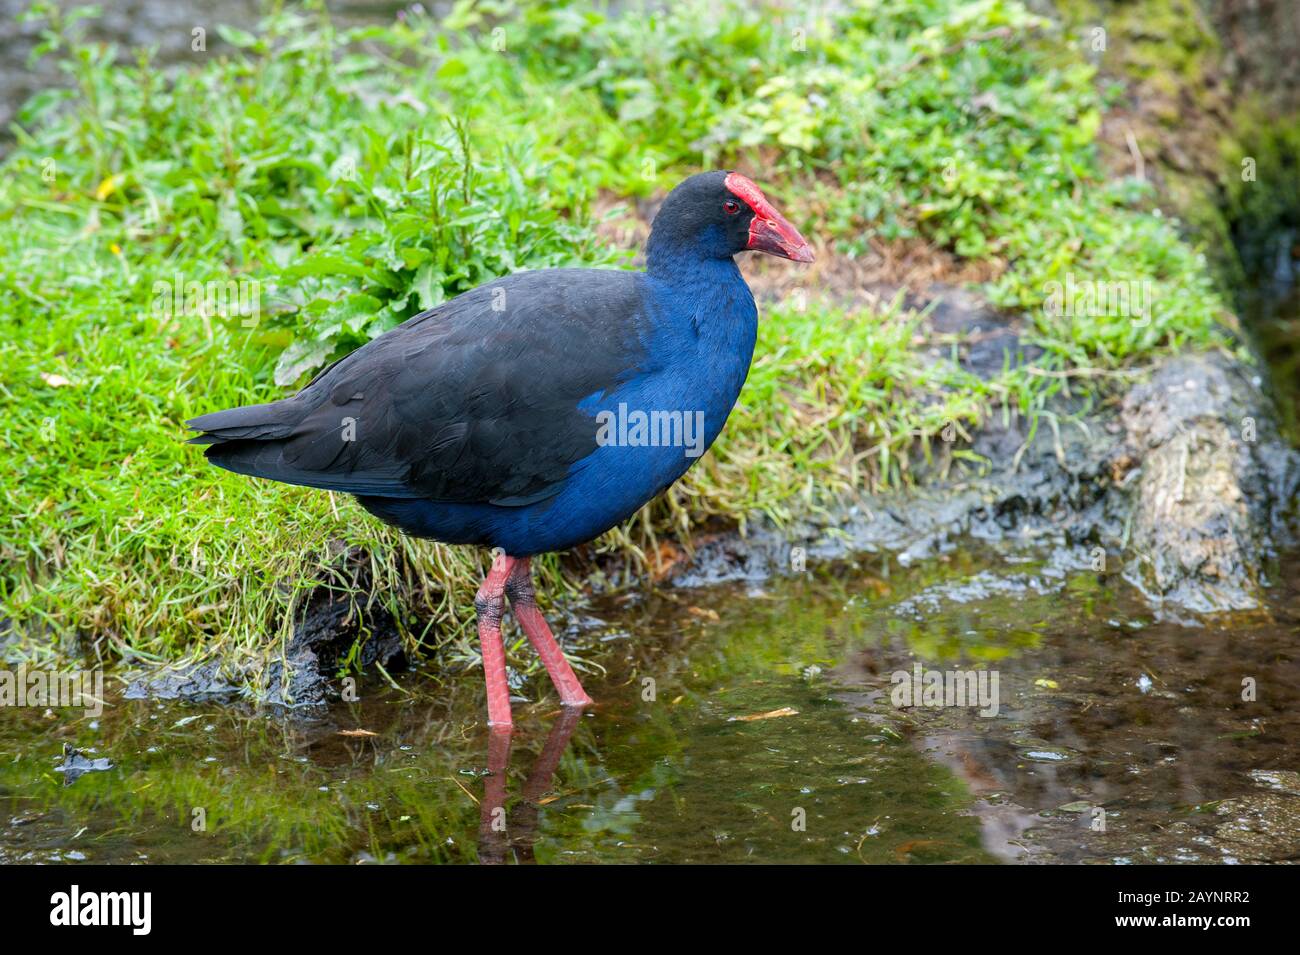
1197, 131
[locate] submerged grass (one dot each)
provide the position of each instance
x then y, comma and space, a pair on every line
360, 176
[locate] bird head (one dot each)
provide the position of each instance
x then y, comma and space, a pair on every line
718, 214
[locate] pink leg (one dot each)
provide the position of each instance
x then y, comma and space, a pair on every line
490, 604
519, 587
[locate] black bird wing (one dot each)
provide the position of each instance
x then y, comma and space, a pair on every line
473, 401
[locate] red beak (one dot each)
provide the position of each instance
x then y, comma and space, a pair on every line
769, 231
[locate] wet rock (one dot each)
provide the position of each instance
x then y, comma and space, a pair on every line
76, 764
203, 683
985, 586
1213, 485
1278, 780
1262, 827
330, 625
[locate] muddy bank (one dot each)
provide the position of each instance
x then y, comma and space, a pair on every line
306, 675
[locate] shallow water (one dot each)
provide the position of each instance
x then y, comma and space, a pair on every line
1101, 708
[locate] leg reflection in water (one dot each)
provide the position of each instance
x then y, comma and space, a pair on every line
499, 835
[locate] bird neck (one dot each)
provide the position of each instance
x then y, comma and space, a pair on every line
696, 284
679, 262
706, 324
707, 302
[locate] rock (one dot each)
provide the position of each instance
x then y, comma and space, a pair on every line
76, 764
1214, 481
203, 683
1263, 827
1278, 780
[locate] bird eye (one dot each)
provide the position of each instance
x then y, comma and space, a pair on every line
731, 206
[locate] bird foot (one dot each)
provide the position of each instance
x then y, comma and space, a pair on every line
512, 577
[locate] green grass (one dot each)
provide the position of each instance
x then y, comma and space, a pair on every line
360, 176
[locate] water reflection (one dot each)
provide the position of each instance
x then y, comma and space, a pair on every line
502, 834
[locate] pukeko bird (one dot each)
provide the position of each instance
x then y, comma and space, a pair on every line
535, 412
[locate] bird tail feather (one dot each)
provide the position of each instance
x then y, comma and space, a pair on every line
277, 441
247, 440
249, 423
